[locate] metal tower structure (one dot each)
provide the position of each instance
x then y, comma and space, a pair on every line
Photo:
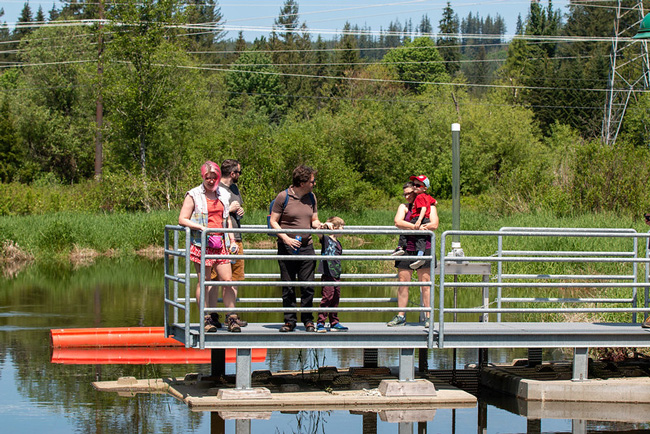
626, 79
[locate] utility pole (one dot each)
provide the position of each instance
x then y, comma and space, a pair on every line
99, 114
625, 80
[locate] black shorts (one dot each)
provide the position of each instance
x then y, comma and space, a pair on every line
404, 265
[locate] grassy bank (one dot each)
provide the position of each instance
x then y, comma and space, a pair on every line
44, 236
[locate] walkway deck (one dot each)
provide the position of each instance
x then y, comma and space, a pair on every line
414, 335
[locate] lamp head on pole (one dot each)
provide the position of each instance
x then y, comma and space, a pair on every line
644, 29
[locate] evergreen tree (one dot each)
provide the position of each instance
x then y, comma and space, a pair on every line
286, 43
425, 27
54, 13
4, 29
79, 9
240, 44
585, 66
22, 26
392, 37
448, 46
519, 29
347, 54
40, 16
207, 14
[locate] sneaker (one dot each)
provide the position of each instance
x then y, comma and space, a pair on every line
309, 327
426, 324
646, 323
320, 328
399, 251
398, 320
232, 324
338, 327
287, 327
208, 325
417, 264
215, 320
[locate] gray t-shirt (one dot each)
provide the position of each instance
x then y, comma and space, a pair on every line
233, 194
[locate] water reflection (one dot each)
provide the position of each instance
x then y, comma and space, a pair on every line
39, 395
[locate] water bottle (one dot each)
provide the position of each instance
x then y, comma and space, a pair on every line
297, 249
233, 249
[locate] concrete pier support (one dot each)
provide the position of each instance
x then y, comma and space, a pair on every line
243, 380
407, 364
580, 364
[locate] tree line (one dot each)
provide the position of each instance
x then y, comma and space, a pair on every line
159, 88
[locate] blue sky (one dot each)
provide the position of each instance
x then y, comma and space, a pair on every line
256, 16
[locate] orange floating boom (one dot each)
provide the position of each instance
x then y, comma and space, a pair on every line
112, 337
140, 356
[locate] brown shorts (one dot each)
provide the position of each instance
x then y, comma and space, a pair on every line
238, 266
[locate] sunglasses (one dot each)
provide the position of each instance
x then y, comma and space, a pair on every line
237, 172
418, 185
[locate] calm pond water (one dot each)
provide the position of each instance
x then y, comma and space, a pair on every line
38, 395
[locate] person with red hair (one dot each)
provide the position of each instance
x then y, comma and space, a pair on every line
204, 208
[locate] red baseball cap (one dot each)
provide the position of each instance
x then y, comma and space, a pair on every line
423, 179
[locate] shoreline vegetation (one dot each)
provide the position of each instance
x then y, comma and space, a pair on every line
80, 237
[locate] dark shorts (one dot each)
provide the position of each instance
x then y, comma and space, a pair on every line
404, 265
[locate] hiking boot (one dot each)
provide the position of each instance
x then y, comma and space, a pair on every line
398, 320
208, 325
240, 322
646, 323
232, 324
399, 251
309, 327
320, 328
287, 327
417, 264
216, 321
338, 327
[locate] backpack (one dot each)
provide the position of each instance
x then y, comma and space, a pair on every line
284, 205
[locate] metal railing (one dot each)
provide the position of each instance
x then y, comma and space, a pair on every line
178, 301
598, 281
631, 253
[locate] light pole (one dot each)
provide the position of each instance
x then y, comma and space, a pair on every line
455, 190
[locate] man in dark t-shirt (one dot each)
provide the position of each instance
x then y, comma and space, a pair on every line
300, 212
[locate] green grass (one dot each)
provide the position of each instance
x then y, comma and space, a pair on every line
43, 235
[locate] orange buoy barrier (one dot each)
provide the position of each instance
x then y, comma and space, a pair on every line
139, 356
112, 337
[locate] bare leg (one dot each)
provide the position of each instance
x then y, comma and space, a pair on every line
403, 291
224, 273
424, 275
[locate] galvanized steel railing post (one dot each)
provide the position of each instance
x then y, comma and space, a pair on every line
647, 272
202, 291
175, 274
499, 271
635, 268
188, 288
166, 284
441, 298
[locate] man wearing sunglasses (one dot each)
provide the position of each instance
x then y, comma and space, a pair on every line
230, 172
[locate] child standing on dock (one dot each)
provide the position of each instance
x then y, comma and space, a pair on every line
331, 272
